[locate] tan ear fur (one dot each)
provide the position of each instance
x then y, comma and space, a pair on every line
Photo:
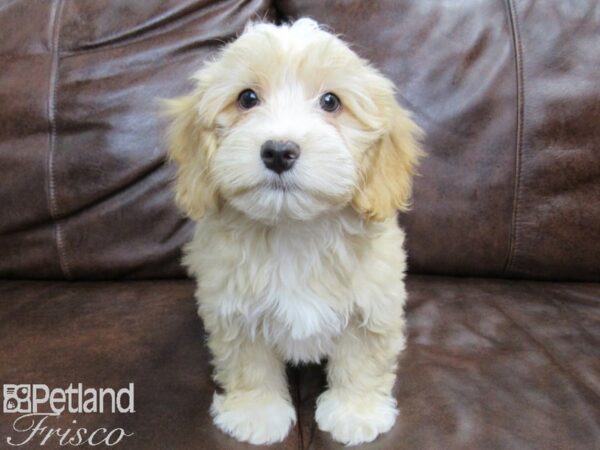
388, 168
191, 145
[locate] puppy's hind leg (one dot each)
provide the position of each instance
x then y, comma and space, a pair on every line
255, 406
358, 405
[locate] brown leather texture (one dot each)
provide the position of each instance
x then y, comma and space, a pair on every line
507, 93
489, 363
86, 191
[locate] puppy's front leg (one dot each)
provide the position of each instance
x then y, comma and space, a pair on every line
358, 405
255, 406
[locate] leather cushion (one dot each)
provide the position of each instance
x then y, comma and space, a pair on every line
87, 192
489, 363
507, 93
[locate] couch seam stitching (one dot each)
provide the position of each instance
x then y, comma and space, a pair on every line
51, 182
517, 49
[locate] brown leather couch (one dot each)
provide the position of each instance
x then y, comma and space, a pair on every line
503, 238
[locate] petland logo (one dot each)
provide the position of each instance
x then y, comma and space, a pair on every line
40, 406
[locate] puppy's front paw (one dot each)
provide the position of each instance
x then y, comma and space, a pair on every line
257, 418
354, 420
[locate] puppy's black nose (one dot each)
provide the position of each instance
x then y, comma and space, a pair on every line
279, 156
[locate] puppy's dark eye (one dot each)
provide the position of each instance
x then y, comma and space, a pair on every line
330, 102
247, 99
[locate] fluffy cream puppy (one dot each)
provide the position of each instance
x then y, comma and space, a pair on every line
293, 157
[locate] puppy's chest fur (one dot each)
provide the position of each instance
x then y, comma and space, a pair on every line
295, 285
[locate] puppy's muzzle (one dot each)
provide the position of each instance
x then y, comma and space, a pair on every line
279, 156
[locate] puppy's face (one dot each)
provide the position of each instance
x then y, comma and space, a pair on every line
287, 123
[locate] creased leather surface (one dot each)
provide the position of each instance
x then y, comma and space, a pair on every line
506, 91
27, 243
489, 363
557, 215
454, 68
95, 202
109, 334
508, 96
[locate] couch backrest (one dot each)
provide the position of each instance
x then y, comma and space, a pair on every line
86, 192
508, 93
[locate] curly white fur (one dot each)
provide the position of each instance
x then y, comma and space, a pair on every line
307, 264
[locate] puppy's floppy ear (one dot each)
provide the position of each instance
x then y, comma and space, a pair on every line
191, 144
388, 167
